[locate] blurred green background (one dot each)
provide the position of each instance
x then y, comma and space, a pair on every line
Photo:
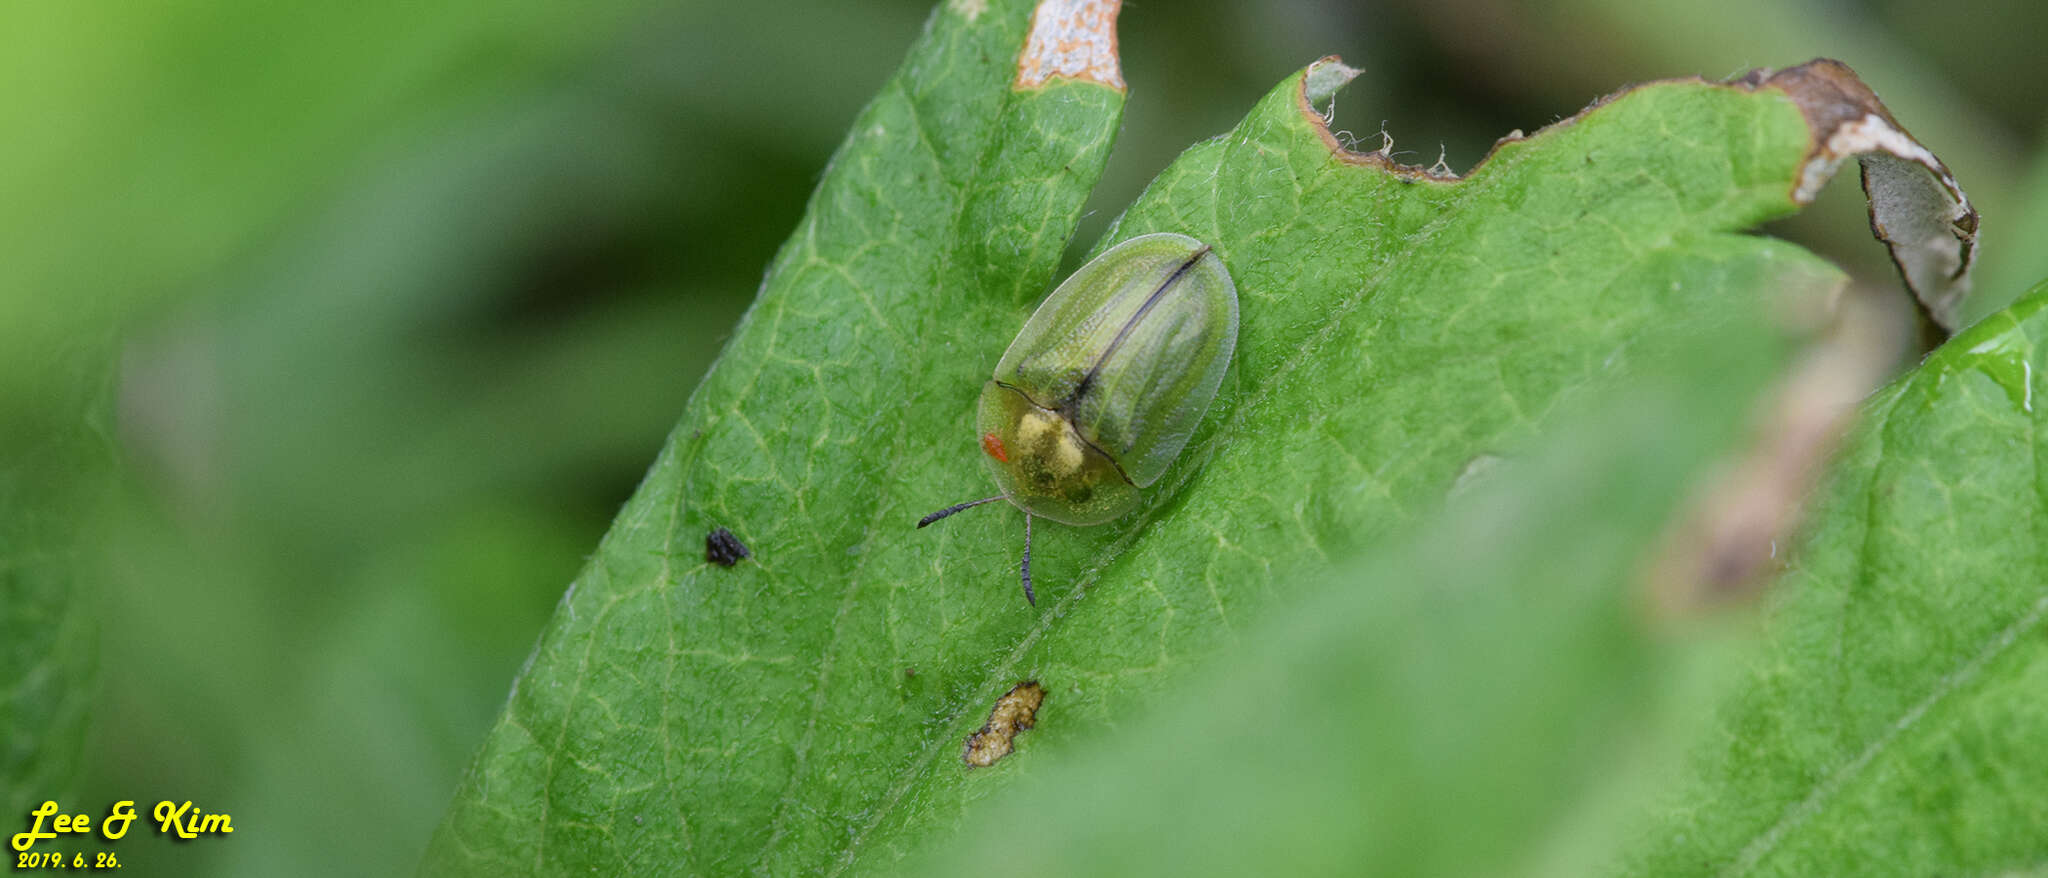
331, 336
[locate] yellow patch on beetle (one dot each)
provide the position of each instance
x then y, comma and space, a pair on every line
1052, 442
1016, 711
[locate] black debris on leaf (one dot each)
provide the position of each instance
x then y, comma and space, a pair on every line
724, 549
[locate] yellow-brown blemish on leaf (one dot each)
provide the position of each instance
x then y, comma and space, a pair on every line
1016, 711
1075, 39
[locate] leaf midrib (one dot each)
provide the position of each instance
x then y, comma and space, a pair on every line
1965, 673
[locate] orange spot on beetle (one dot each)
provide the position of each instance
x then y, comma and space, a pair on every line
992, 445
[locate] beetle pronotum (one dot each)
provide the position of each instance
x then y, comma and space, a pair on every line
1105, 383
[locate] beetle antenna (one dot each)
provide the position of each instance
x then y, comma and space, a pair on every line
959, 507
1026, 568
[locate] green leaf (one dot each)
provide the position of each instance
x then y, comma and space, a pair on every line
805, 710
52, 484
1896, 722
49, 658
1467, 702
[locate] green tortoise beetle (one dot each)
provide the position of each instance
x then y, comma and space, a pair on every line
1105, 383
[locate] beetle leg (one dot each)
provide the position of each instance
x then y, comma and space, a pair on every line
957, 507
1026, 568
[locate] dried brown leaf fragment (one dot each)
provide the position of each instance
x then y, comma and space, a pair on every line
1016, 711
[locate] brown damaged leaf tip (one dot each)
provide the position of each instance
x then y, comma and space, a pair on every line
1917, 208
1016, 711
1071, 39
